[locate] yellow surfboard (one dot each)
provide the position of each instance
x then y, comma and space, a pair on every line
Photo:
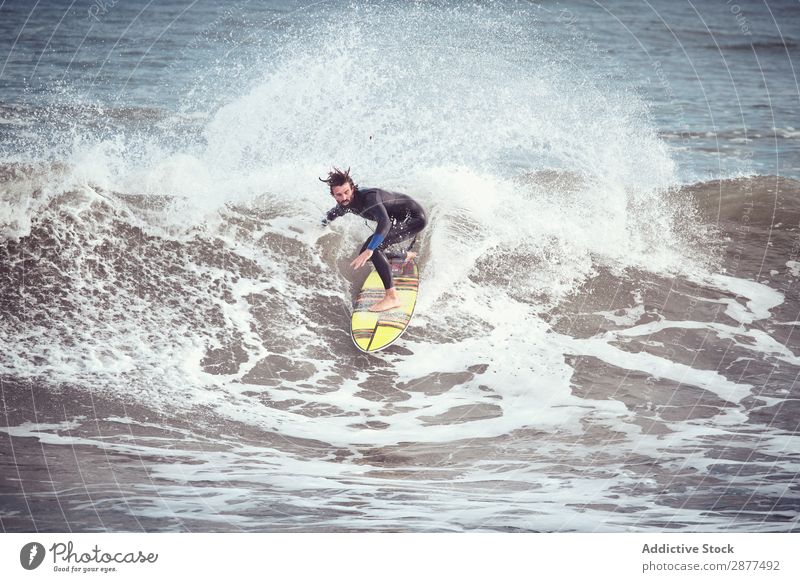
373, 331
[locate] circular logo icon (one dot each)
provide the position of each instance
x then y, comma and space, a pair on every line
31, 555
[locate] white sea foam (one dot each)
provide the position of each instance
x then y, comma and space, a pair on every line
536, 179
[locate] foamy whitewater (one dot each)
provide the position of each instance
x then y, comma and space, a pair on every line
604, 335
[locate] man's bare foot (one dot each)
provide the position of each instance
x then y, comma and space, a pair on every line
386, 305
410, 256
389, 301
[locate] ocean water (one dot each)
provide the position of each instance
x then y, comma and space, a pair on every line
604, 339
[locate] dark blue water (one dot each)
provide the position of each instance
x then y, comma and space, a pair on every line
718, 77
605, 334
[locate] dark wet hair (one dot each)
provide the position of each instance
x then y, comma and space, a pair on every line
337, 177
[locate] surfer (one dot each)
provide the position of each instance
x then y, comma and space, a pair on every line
399, 217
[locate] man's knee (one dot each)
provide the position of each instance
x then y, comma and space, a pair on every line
419, 223
423, 220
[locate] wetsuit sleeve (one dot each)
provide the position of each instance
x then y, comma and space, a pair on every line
378, 211
334, 213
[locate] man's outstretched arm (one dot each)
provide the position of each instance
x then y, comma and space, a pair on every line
333, 214
378, 211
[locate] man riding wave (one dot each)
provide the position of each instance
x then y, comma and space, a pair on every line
399, 217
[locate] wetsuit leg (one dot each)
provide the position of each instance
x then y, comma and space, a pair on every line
391, 255
381, 265
414, 223
410, 227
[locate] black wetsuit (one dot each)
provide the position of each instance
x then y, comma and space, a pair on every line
398, 216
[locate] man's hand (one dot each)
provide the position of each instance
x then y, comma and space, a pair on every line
361, 259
